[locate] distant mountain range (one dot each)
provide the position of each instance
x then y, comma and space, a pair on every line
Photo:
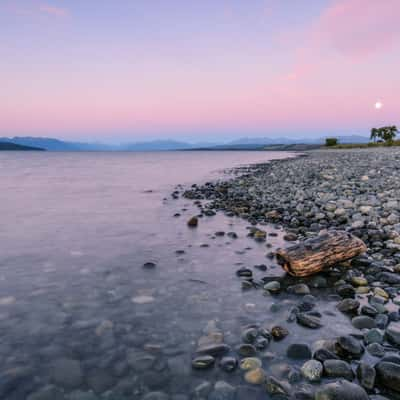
7, 146
52, 144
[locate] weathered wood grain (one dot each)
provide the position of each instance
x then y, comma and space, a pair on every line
323, 251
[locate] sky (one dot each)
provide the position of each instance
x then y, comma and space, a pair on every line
122, 70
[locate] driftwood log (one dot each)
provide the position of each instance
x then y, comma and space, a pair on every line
323, 251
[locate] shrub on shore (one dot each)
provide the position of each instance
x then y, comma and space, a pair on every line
331, 142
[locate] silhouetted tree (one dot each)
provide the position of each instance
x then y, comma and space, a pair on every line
374, 134
385, 133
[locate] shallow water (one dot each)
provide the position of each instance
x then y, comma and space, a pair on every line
76, 229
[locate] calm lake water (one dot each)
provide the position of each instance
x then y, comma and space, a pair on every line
77, 308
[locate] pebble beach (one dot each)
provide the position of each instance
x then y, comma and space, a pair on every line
357, 191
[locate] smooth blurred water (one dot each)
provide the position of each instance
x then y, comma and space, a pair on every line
76, 229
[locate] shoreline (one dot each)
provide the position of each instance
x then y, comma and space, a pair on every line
352, 190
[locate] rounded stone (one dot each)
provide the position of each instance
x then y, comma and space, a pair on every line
228, 364
279, 332
348, 306
359, 281
342, 390
255, 376
246, 350
250, 363
345, 291
349, 346
388, 375
338, 369
299, 351
273, 286
373, 336
222, 391
312, 370
249, 335
366, 375
363, 322
193, 222
203, 362
308, 321
376, 350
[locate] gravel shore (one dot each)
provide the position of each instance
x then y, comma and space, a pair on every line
353, 190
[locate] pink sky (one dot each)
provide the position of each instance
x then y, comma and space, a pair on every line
257, 68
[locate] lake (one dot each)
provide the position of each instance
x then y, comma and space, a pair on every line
80, 316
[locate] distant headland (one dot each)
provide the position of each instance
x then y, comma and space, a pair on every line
7, 146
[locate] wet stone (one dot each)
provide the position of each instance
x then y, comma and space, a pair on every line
381, 321
393, 334
373, 336
299, 351
214, 349
388, 375
366, 375
345, 291
279, 332
193, 222
273, 286
203, 362
255, 376
359, 281
363, 322
376, 350
277, 387
312, 370
140, 361
246, 350
300, 289
261, 343
324, 354
349, 306
202, 390
246, 285
222, 391
369, 310
249, 335
228, 364
250, 363
290, 237
342, 390
338, 369
349, 346
67, 373
244, 273
149, 265
308, 321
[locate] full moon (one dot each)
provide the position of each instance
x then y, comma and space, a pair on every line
378, 105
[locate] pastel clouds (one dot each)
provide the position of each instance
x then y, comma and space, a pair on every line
359, 28
33, 8
54, 11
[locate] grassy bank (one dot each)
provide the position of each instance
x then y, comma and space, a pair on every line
362, 145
